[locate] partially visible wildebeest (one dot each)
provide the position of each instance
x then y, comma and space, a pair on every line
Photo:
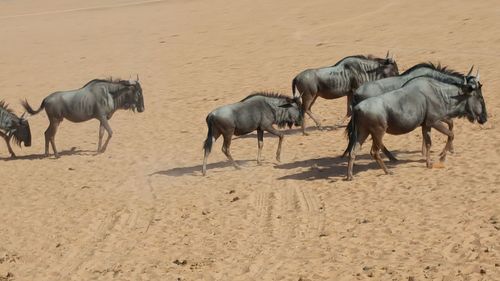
382, 86
14, 127
422, 102
340, 80
259, 111
98, 99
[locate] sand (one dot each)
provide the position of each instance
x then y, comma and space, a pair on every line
142, 210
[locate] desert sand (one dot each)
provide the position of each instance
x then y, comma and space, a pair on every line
142, 210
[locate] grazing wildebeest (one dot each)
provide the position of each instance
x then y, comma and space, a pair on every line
98, 99
340, 80
259, 111
15, 127
422, 102
379, 87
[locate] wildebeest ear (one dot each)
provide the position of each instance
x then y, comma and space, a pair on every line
286, 105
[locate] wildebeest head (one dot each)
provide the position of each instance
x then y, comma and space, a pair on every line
135, 99
475, 105
294, 114
389, 66
21, 132
386, 67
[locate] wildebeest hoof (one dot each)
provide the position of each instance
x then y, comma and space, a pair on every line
389, 173
13, 156
349, 178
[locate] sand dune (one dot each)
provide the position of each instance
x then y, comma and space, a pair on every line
142, 210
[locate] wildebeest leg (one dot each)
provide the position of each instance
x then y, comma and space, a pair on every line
389, 154
7, 140
349, 111
360, 139
260, 140
226, 149
449, 142
105, 124
426, 135
442, 129
307, 102
377, 144
50, 134
280, 136
215, 136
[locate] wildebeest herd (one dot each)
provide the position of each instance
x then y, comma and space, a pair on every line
379, 100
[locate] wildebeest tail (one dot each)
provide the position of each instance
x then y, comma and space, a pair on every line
352, 134
30, 110
294, 82
207, 146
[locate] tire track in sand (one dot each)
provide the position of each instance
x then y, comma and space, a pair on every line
286, 216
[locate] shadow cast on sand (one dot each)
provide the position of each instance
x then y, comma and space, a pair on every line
72, 151
294, 131
191, 170
334, 167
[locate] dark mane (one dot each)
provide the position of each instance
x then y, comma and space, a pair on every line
108, 80
369, 57
269, 95
438, 67
5, 107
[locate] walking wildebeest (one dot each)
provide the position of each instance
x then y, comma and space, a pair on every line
98, 99
379, 87
259, 111
15, 127
422, 102
340, 80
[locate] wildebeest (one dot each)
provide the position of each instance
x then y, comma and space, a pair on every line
258, 111
13, 127
379, 87
98, 99
340, 80
422, 102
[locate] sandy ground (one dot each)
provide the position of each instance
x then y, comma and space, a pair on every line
142, 210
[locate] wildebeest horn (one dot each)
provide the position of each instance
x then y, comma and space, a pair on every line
137, 75
470, 71
387, 55
477, 74
465, 80
22, 115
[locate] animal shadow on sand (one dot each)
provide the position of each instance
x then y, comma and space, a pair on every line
191, 170
72, 151
294, 131
335, 168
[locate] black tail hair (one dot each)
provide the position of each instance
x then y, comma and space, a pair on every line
294, 82
30, 110
207, 146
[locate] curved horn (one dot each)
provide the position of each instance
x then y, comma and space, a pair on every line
387, 55
477, 74
470, 71
137, 79
465, 80
22, 115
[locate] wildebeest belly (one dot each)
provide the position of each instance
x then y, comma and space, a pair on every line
331, 94
403, 122
244, 131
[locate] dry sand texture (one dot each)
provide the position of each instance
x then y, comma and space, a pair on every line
130, 213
